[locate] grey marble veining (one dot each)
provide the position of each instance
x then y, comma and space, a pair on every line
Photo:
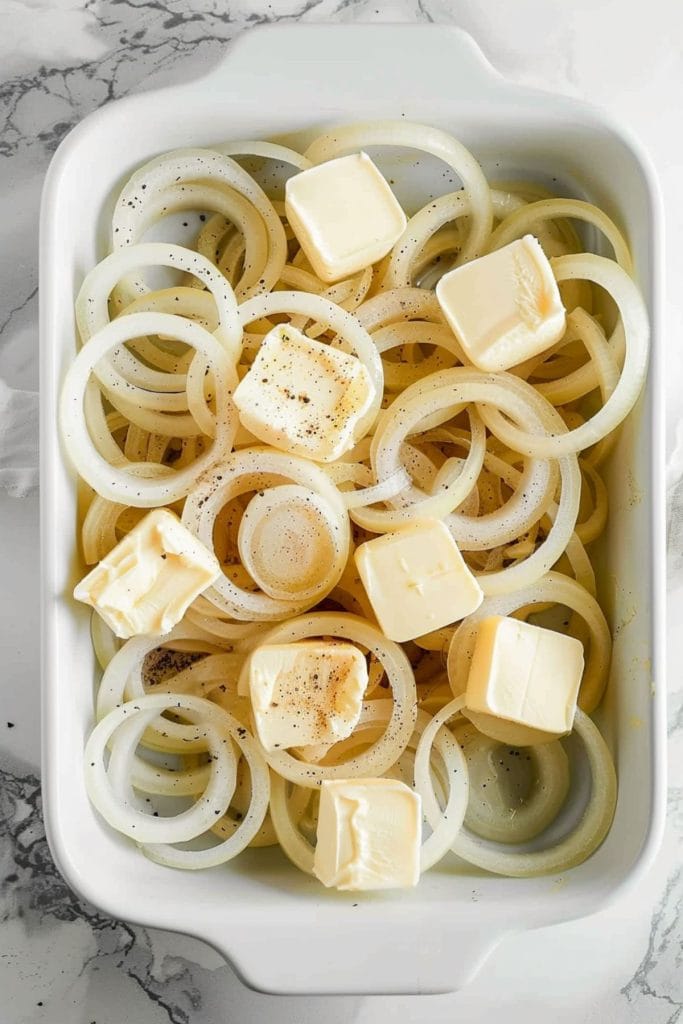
60, 959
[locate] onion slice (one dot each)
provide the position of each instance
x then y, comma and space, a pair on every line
579, 843
114, 482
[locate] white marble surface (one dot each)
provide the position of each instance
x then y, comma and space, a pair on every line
63, 962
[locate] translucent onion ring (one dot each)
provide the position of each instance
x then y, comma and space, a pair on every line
213, 235
590, 529
210, 619
601, 371
425, 399
505, 824
399, 375
445, 824
578, 844
188, 783
92, 301
252, 469
299, 524
102, 426
122, 680
385, 454
385, 752
114, 482
348, 293
135, 445
424, 224
301, 280
266, 150
250, 825
105, 642
266, 835
201, 677
518, 400
207, 166
168, 370
524, 220
122, 729
98, 535
294, 845
389, 488
555, 588
228, 203
399, 304
151, 778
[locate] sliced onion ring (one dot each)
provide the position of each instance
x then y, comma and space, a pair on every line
254, 469
289, 539
122, 728
114, 482
248, 827
206, 166
578, 844
447, 823
488, 815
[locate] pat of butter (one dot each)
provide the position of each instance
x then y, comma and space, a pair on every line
369, 835
303, 693
523, 682
146, 583
344, 215
303, 396
417, 580
504, 307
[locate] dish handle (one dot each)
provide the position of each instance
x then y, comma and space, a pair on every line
360, 948
328, 55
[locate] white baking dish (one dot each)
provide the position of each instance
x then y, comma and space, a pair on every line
278, 928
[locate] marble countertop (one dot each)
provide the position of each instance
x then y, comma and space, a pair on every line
62, 961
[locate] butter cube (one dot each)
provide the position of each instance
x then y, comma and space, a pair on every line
504, 307
523, 682
146, 583
417, 580
303, 396
369, 835
304, 693
344, 215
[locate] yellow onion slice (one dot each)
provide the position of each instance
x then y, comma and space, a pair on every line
113, 481
289, 542
257, 469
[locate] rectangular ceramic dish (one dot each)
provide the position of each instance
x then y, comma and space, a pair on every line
281, 931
